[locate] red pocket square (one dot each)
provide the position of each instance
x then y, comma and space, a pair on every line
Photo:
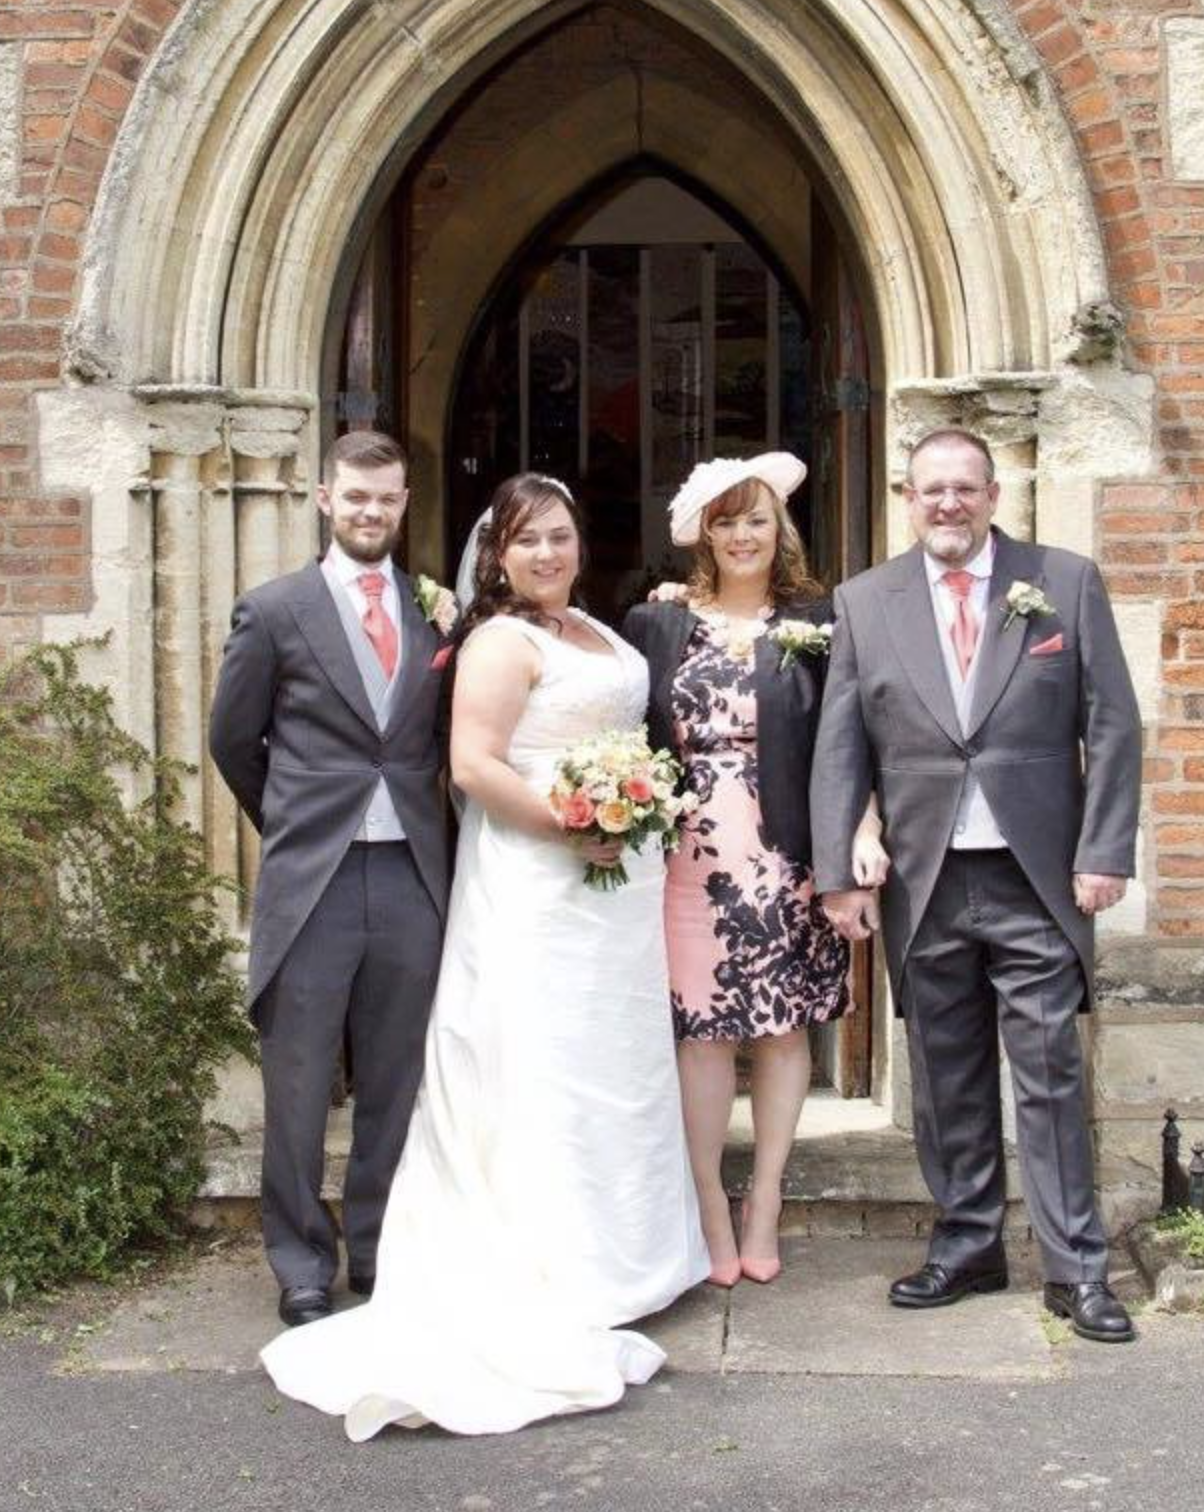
1048, 647
441, 658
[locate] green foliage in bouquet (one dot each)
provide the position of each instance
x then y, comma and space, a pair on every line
117, 997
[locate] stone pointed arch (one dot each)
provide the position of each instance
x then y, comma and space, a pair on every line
263, 128
265, 135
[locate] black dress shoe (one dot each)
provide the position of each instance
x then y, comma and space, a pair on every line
1093, 1311
304, 1304
362, 1286
934, 1285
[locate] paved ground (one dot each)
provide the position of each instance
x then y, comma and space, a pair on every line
807, 1394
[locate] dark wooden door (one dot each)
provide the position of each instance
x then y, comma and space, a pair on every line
841, 540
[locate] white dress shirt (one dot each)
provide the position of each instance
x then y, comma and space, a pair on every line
974, 827
381, 820
344, 571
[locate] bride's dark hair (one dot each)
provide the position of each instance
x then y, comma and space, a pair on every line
516, 502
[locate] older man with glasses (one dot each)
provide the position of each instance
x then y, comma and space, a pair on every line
978, 686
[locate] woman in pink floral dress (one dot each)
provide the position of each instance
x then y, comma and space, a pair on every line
737, 677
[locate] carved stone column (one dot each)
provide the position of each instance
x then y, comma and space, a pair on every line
227, 480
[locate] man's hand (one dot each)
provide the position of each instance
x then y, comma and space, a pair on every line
871, 864
669, 593
852, 914
1094, 891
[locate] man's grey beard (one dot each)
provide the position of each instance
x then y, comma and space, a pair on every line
944, 541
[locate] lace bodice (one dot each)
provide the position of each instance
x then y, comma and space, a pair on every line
579, 693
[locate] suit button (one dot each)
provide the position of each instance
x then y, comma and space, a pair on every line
377, 763
973, 748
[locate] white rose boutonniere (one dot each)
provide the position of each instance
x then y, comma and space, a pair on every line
1023, 600
437, 603
796, 637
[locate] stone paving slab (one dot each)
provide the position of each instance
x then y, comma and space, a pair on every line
826, 1315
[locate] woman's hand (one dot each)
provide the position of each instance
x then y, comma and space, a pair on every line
598, 852
669, 593
870, 861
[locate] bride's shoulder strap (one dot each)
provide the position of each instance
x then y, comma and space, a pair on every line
510, 624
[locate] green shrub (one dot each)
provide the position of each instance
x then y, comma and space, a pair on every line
1187, 1225
117, 997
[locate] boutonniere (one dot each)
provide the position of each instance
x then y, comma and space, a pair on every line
796, 637
438, 604
1023, 600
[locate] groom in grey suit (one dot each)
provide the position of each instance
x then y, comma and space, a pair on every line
324, 726
978, 686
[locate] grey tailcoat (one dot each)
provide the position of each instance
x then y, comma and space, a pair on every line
1054, 739
293, 733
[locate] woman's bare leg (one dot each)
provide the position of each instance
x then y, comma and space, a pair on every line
708, 1088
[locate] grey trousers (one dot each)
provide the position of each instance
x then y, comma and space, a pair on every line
366, 959
988, 959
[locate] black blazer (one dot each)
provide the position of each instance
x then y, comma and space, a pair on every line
788, 705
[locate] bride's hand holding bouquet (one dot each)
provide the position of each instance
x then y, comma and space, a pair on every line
612, 792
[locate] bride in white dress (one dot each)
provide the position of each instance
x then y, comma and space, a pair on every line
544, 1195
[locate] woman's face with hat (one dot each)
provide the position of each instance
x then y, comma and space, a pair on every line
741, 527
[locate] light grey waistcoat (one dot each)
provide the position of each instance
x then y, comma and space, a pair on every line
380, 821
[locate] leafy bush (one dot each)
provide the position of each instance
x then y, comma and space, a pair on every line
1187, 1226
117, 997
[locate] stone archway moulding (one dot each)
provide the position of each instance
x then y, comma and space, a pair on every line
263, 127
265, 132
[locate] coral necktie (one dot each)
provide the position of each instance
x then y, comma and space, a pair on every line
965, 625
378, 627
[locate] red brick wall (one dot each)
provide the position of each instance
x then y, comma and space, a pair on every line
1106, 57
81, 61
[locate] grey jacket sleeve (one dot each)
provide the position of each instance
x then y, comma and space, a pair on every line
1111, 732
242, 710
842, 768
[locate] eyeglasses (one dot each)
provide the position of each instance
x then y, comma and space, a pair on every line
964, 493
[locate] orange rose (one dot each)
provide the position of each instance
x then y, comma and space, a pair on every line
614, 818
576, 812
638, 789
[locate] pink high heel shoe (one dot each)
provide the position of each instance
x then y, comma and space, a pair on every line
762, 1271
726, 1275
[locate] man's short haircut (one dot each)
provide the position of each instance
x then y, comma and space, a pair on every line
952, 433
361, 448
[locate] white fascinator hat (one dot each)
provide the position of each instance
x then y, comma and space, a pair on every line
782, 472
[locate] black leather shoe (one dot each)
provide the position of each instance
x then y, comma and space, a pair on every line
303, 1304
362, 1286
935, 1286
1093, 1311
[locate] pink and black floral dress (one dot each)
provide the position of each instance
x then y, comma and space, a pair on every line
750, 951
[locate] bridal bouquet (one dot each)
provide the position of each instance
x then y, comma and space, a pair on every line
614, 786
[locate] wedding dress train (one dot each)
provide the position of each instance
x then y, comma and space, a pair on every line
544, 1195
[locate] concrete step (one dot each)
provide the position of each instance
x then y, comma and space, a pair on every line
851, 1172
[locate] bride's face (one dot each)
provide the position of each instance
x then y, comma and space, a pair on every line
544, 557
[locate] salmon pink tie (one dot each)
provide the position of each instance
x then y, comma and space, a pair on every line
378, 627
965, 626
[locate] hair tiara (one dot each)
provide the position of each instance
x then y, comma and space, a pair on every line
555, 483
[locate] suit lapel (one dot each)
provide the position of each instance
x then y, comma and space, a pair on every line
911, 623
418, 640
317, 618
1000, 649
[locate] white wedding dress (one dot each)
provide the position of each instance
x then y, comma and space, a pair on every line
544, 1194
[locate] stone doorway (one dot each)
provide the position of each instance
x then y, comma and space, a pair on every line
644, 325
222, 259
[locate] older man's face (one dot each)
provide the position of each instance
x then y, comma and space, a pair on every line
950, 502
